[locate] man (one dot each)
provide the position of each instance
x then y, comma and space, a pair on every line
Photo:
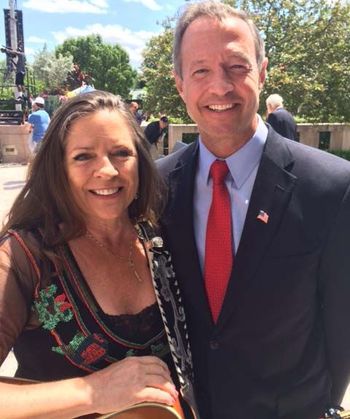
279, 118
40, 120
134, 109
273, 341
154, 132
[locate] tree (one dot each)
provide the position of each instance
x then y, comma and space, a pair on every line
308, 46
50, 69
6, 91
107, 65
161, 94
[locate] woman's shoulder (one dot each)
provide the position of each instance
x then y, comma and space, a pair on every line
18, 248
19, 240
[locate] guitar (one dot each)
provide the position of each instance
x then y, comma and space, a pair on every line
145, 410
337, 413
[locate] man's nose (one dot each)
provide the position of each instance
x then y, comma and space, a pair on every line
220, 82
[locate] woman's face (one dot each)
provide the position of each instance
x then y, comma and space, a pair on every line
102, 165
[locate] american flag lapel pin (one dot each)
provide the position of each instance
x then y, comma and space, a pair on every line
263, 216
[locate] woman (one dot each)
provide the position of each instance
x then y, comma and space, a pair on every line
76, 292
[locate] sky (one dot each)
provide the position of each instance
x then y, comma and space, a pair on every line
129, 23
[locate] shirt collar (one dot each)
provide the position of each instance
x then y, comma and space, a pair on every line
241, 163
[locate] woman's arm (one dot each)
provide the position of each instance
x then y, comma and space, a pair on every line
123, 384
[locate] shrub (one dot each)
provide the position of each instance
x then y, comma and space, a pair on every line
345, 154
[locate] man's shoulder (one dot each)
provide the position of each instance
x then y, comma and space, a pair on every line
151, 125
310, 162
37, 115
35, 118
44, 113
280, 112
166, 164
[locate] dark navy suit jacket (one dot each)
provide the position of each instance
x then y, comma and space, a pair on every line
283, 122
281, 346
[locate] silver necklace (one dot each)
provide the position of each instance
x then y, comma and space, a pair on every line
129, 259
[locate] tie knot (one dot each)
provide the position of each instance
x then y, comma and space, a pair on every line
218, 171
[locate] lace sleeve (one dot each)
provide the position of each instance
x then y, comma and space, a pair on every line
18, 282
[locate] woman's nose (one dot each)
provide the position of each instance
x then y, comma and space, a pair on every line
107, 168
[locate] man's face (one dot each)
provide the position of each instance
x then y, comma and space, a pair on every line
220, 81
163, 124
134, 107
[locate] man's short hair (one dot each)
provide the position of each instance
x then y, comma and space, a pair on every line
274, 100
218, 11
164, 119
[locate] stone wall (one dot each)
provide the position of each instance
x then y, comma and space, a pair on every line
310, 134
14, 143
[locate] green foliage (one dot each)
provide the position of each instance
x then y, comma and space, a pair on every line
345, 154
6, 91
308, 46
51, 70
107, 65
161, 94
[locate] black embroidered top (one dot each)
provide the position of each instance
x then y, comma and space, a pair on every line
65, 332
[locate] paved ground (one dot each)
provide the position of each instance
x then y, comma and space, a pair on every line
12, 178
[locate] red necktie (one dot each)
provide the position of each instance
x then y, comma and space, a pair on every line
218, 243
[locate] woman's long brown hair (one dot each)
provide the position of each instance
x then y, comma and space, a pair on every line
46, 200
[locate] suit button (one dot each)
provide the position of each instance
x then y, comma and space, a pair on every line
214, 344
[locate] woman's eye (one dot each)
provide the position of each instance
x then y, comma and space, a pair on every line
122, 154
82, 157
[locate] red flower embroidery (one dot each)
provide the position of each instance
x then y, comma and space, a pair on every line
92, 353
63, 305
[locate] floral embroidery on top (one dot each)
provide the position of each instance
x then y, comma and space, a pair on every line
79, 331
84, 350
52, 310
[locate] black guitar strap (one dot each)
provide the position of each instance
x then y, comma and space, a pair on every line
172, 311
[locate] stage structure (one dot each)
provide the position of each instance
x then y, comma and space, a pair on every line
14, 131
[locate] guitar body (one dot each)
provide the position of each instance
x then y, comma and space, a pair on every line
145, 410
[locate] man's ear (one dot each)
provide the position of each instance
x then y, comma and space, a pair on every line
263, 73
178, 83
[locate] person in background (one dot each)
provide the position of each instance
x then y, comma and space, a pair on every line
279, 118
39, 119
134, 109
259, 231
79, 259
154, 132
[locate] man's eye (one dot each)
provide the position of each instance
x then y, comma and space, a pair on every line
240, 68
82, 157
200, 72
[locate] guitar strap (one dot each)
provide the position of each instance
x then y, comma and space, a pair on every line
172, 311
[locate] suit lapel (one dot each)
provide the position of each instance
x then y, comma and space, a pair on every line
271, 193
178, 223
